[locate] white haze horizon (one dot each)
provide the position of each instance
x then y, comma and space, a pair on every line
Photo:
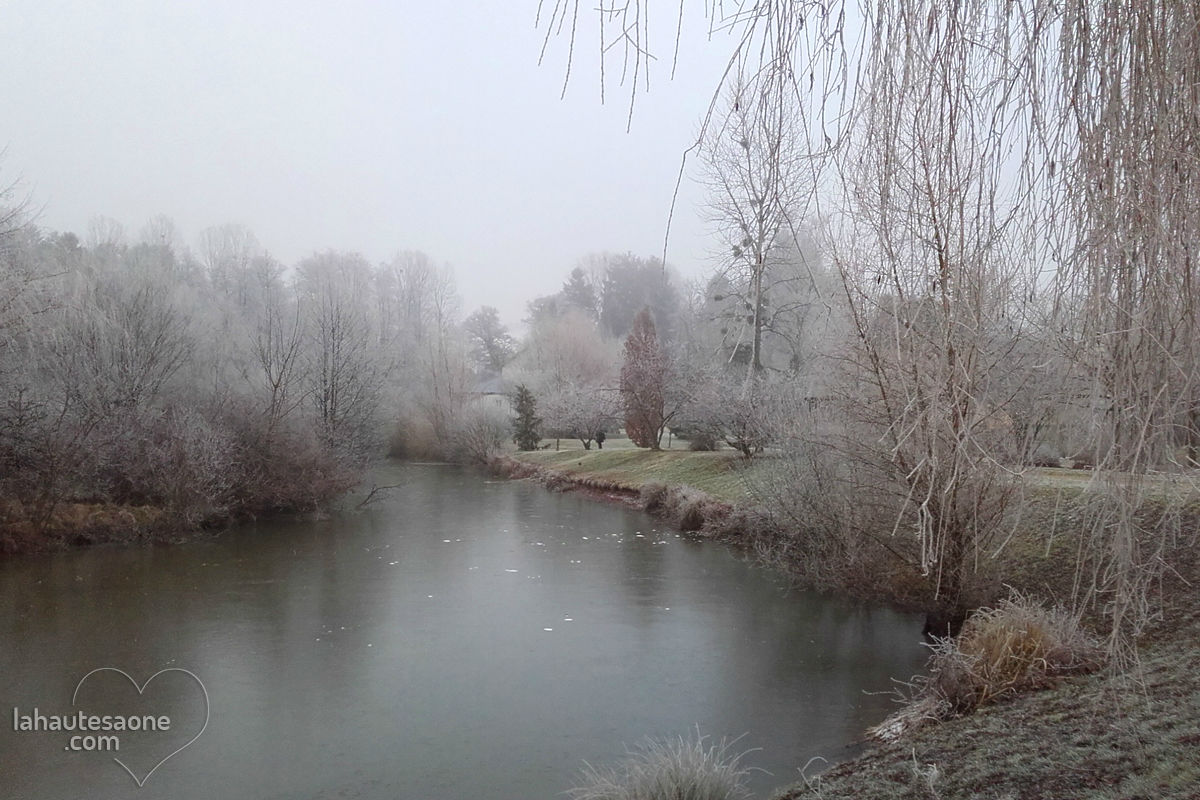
365, 127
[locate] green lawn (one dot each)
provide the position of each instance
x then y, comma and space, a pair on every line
722, 473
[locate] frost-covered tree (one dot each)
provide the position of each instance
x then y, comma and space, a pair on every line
344, 370
491, 344
757, 177
581, 410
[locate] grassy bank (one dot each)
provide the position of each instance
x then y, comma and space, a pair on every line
1095, 735
720, 474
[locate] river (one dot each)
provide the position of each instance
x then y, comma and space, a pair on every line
462, 639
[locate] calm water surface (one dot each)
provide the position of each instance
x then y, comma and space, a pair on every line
463, 639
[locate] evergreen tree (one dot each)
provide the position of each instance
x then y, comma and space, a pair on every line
631, 283
527, 424
643, 383
578, 291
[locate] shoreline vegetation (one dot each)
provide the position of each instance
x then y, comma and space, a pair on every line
1021, 704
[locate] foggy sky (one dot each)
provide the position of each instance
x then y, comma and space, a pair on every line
369, 126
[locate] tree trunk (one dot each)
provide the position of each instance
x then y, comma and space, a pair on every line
756, 351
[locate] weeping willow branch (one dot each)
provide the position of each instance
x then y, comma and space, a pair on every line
1012, 187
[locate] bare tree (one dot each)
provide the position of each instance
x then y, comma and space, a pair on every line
491, 345
228, 253
343, 371
161, 231
732, 408
278, 350
105, 233
120, 345
757, 176
566, 349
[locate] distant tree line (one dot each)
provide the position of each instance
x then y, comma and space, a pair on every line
207, 385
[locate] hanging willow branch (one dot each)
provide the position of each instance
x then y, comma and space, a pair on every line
1013, 188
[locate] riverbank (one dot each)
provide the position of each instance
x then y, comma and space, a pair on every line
717, 495
80, 525
1099, 735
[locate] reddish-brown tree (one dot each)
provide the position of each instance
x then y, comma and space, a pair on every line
644, 383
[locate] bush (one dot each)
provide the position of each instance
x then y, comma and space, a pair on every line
671, 770
1017, 646
286, 468
653, 496
479, 434
189, 467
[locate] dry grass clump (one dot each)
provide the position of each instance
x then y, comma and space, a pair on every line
1017, 646
683, 507
691, 509
653, 496
669, 770
753, 527
508, 467
77, 524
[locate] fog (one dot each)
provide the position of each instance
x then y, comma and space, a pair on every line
948, 356
374, 127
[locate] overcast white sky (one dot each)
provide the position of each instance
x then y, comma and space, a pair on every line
372, 126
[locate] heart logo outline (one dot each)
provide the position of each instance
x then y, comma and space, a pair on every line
141, 690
